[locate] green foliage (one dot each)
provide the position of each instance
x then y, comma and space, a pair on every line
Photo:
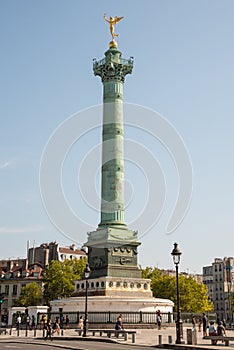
59, 278
31, 294
231, 299
78, 266
193, 295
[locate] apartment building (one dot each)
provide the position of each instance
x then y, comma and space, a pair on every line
17, 273
219, 278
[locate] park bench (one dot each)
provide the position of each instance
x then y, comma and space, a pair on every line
117, 333
215, 338
109, 332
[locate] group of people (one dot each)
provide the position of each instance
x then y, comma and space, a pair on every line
209, 329
30, 322
55, 327
219, 330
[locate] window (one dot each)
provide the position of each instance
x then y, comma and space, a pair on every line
7, 289
14, 289
8, 275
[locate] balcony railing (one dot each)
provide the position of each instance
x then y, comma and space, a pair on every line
123, 61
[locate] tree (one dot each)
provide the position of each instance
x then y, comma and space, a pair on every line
59, 278
231, 301
78, 266
193, 295
31, 294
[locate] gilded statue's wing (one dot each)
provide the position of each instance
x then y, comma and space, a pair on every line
117, 19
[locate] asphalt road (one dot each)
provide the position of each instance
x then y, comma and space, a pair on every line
70, 345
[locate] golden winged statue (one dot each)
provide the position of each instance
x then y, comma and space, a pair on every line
112, 21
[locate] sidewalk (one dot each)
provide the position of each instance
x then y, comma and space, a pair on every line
145, 337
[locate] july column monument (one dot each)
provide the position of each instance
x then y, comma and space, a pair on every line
113, 247
115, 283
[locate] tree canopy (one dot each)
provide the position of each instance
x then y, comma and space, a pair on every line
31, 294
193, 295
59, 278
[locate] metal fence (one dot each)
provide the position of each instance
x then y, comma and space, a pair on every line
128, 317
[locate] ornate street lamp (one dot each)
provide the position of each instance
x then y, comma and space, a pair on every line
86, 276
176, 253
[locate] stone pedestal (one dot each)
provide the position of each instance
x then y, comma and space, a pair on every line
113, 304
113, 252
116, 294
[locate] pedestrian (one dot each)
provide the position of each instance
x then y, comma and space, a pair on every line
18, 322
212, 329
204, 324
118, 324
43, 321
28, 322
224, 323
67, 321
159, 319
33, 322
61, 321
199, 324
48, 330
81, 323
56, 327
221, 329
193, 322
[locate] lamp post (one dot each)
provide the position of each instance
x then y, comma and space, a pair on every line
176, 253
86, 276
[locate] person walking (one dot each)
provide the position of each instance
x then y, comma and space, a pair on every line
48, 330
56, 326
33, 322
204, 324
18, 322
159, 319
81, 323
28, 320
61, 319
193, 322
67, 322
199, 324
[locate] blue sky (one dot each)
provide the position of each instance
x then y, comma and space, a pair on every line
183, 68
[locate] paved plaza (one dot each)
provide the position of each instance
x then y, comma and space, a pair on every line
145, 337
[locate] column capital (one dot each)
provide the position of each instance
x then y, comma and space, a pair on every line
113, 67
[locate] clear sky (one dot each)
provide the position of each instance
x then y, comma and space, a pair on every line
183, 68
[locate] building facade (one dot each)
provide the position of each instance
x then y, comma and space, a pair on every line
17, 273
53, 251
218, 278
